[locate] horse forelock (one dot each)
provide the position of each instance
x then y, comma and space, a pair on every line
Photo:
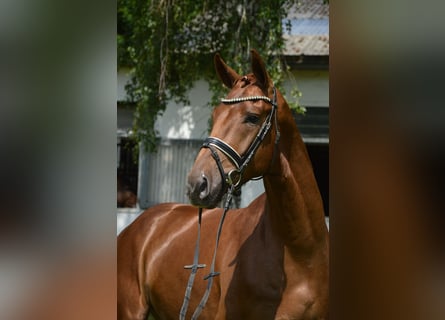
250, 79
248, 85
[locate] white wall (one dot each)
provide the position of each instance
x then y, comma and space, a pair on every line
191, 122
314, 85
187, 122
125, 216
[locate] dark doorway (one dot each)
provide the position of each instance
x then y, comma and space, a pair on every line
319, 154
127, 173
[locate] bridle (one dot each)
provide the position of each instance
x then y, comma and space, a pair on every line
232, 179
234, 176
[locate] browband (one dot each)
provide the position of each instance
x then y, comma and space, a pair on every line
242, 99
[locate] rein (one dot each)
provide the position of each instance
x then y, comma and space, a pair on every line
233, 180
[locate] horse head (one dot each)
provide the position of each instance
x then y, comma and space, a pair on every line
241, 142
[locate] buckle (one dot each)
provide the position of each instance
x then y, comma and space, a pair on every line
233, 177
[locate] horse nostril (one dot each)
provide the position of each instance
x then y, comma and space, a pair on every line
203, 187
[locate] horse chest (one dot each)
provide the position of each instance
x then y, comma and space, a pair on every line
268, 281
303, 297
267, 292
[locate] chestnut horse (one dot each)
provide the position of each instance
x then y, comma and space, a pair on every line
272, 255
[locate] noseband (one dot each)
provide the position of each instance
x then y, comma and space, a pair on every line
234, 176
233, 180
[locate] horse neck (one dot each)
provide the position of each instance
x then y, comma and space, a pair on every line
294, 203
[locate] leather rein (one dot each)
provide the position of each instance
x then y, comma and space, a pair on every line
232, 179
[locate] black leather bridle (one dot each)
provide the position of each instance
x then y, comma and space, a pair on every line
234, 176
232, 179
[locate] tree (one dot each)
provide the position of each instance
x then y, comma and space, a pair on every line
169, 44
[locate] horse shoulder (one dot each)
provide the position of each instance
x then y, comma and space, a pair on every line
138, 246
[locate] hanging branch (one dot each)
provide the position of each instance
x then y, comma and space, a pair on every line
170, 44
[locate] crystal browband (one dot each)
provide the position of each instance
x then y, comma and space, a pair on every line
242, 99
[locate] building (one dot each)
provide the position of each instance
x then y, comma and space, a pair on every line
161, 177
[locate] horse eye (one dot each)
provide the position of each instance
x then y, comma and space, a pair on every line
252, 119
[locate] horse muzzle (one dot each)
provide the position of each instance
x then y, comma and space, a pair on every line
204, 190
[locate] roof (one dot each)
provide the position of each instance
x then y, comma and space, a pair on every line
308, 45
309, 9
307, 29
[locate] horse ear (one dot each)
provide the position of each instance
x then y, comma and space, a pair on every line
259, 70
225, 73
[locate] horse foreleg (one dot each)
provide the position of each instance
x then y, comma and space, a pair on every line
131, 303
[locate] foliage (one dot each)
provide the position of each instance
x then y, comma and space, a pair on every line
169, 44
